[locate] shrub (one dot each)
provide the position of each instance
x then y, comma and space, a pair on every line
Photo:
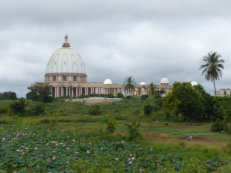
133, 130
94, 110
217, 126
129, 97
144, 97
110, 96
3, 110
110, 123
136, 112
120, 95
18, 107
37, 109
148, 109
48, 121
9, 95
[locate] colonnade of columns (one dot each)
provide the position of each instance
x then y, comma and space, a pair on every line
63, 91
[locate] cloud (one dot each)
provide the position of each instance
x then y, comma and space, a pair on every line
146, 39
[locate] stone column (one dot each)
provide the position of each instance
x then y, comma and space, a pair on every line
61, 91
58, 91
86, 90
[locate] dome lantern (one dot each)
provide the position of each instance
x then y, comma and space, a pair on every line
66, 44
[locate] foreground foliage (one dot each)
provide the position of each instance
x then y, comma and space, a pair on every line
40, 149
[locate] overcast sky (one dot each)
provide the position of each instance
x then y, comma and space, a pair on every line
146, 39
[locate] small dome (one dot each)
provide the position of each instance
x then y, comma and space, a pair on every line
193, 83
164, 80
107, 82
142, 83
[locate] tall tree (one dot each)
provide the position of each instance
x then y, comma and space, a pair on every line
129, 85
212, 67
152, 88
152, 92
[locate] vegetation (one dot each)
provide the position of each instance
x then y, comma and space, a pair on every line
40, 149
18, 107
40, 92
110, 123
66, 137
94, 110
148, 109
8, 95
189, 102
212, 67
129, 85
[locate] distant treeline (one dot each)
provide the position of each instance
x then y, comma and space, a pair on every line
8, 95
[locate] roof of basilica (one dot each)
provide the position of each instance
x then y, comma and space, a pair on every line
65, 60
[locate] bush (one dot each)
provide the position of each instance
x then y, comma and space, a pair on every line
120, 95
18, 107
3, 110
217, 126
133, 130
129, 97
110, 96
37, 109
9, 95
148, 109
51, 122
144, 97
94, 110
110, 123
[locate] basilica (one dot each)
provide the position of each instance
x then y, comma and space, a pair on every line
66, 75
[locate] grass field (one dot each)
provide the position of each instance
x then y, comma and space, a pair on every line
74, 117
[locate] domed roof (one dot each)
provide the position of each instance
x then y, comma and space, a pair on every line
107, 82
193, 83
65, 60
142, 83
164, 80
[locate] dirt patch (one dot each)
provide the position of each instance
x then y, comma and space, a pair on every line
162, 137
202, 139
156, 136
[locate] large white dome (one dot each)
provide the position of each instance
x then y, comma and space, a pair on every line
164, 80
65, 60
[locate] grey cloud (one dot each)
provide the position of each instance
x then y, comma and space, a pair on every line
146, 39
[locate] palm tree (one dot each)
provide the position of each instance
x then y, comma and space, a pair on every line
212, 67
152, 92
152, 89
129, 85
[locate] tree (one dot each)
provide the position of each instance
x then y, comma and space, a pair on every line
8, 95
152, 89
129, 85
212, 67
18, 107
40, 92
186, 101
152, 93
